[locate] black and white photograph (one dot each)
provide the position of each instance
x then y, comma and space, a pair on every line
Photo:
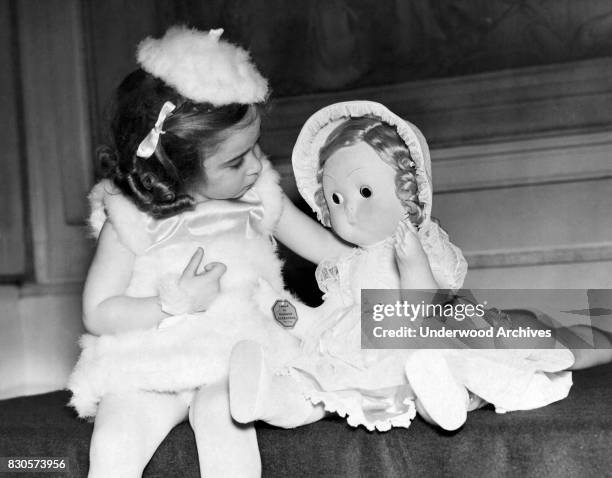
333, 238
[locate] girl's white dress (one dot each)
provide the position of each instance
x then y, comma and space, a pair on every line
192, 350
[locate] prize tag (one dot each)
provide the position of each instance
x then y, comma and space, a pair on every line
285, 313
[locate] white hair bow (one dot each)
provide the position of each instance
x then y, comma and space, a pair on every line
147, 146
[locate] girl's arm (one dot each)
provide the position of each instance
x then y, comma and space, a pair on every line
106, 308
306, 237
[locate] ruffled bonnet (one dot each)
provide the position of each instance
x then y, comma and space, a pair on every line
446, 260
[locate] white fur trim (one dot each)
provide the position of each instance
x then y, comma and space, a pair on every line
173, 299
202, 67
189, 353
107, 202
182, 357
269, 191
97, 216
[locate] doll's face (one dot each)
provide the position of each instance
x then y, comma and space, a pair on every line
359, 189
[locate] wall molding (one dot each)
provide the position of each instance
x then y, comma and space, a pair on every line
573, 98
550, 159
32, 289
517, 128
532, 161
540, 256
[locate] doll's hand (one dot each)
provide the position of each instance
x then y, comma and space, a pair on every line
408, 249
202, 287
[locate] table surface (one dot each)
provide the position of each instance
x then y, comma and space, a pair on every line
570, 438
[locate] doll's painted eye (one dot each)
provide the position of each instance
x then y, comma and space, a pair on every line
365, 191
337, 198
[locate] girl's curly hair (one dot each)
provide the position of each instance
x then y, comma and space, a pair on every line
390, 147
159, 184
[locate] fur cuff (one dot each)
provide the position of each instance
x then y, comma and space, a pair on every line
173, 299
269, 191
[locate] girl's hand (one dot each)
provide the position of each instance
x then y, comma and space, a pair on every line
408, 249
202, 287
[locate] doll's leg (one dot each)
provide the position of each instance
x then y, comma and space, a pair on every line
440, 399
579, 339
225, 448
128, 429
258, 394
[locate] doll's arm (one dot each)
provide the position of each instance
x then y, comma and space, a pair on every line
416, 278
412, 262
306, 237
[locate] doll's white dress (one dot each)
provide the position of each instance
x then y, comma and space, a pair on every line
369, 387
194, 349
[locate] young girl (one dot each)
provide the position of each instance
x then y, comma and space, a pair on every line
363, 170
187, 182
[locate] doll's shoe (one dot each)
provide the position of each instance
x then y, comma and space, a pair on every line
248, 381
443, 399
476, 402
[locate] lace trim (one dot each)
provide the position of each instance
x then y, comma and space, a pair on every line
350, 409
446, 260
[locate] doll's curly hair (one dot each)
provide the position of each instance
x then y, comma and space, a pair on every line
389, 146
159, 185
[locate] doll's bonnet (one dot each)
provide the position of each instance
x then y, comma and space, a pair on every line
446, 260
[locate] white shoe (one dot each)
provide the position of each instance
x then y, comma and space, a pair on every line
440, 395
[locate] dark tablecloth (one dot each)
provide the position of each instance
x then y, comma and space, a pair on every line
572, 438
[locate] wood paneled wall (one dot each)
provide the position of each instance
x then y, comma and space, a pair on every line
13, 239
522, 167
57, 135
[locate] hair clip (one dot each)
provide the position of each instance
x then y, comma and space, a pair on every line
147, 146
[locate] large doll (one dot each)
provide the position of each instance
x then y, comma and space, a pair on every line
367, 174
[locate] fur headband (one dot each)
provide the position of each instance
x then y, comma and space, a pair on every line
202, 67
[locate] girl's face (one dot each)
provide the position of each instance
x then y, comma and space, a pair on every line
234, 166
359, 189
